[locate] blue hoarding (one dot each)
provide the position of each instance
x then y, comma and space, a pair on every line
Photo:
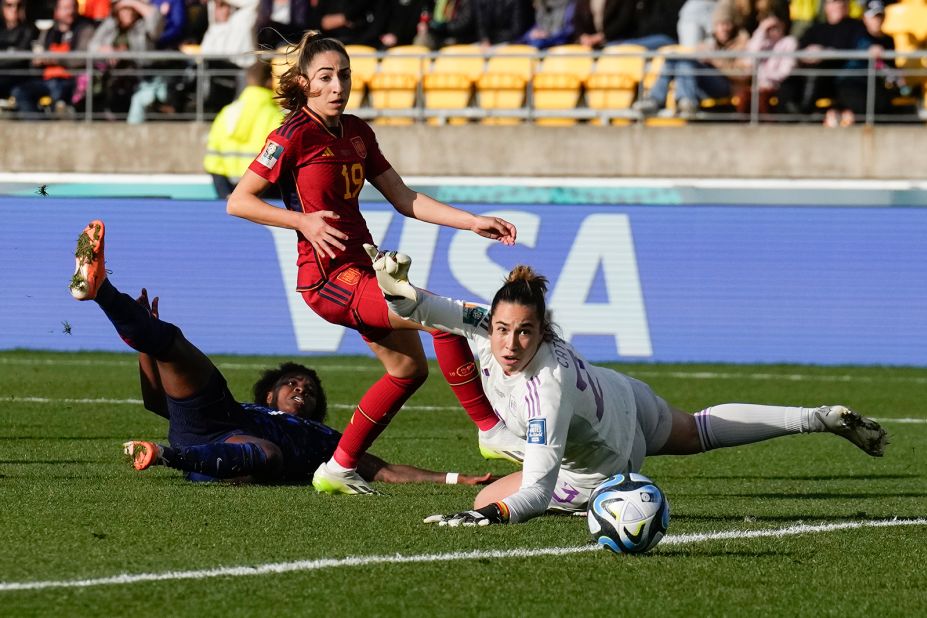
804, 284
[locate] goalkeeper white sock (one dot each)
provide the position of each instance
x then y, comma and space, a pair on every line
732, 424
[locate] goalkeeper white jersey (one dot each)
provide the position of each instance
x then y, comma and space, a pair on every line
570, 413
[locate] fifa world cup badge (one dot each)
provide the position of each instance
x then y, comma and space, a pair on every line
270, 155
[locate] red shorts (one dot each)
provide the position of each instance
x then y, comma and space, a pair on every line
351, 297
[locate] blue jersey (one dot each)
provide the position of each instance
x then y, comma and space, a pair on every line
305, 444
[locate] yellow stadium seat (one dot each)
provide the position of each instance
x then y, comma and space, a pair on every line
449, 84
558, 83
502, 86
614, 81
363, 66
906, 22
395, 85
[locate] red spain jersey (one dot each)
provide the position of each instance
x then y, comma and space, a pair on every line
317, 168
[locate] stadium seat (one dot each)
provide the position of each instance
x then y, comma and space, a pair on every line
558, 83
502, 86
449, 83
395, 85
363, 67
614, 81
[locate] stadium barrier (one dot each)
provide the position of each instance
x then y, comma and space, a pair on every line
741, 284
192, 74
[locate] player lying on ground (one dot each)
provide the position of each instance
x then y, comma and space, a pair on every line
212, 436
578, 423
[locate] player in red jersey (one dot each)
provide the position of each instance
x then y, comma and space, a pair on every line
319, 158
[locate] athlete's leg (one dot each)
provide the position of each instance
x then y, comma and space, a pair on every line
184, 369
734, 424
406, 369
241, 458
455, 358
503, 488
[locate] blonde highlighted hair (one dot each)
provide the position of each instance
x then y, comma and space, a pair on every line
291, 93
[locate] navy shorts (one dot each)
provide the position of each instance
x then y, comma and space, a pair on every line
211, 415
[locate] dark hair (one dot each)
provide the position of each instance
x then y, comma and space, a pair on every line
291, 93
525, 287
269, 378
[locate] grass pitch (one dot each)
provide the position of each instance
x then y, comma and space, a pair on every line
94, 537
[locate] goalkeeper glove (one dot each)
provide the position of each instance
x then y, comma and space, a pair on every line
495, 513
392, 270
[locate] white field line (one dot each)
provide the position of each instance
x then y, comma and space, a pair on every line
339, 406
329, 563
651, 373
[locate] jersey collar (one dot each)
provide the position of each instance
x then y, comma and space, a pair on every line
338, 133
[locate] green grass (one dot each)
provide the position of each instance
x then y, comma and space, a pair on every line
72, 509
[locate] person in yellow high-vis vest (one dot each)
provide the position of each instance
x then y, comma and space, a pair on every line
239, 130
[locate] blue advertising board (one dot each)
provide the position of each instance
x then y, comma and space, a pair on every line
661, 283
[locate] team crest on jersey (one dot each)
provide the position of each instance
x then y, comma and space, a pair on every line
359, 147
537, 431
473, 314
270, 155
350, 276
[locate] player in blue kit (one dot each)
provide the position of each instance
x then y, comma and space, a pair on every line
211, 435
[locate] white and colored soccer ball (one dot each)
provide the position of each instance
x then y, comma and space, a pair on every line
628, 513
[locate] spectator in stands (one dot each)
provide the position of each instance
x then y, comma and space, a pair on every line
698, 80
174, 15
231, 33
772, 35
354, 22
449, 22
502, 21
403, 17
16, 34
134, 25
631, 22
70, 32
553, 23
240, 129
597, 22
694, 25
852, 89
839, 31
282, 22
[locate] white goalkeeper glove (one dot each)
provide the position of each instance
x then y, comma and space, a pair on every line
495, 513
392, 270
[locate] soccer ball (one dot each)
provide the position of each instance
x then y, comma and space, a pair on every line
628, 514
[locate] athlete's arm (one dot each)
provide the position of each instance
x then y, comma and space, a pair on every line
425, 208
245, 202
548, 423
153, 394
372, 468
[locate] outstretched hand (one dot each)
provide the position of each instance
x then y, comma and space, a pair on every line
495, 228
151, 307
469, 479
392, 270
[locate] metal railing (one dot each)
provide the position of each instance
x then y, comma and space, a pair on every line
195, 73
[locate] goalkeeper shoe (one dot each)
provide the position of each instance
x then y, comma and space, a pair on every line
89, 272
142, 454
328, 481
861, 431
500, 443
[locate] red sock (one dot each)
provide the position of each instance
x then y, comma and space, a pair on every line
459, 369
374, 412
